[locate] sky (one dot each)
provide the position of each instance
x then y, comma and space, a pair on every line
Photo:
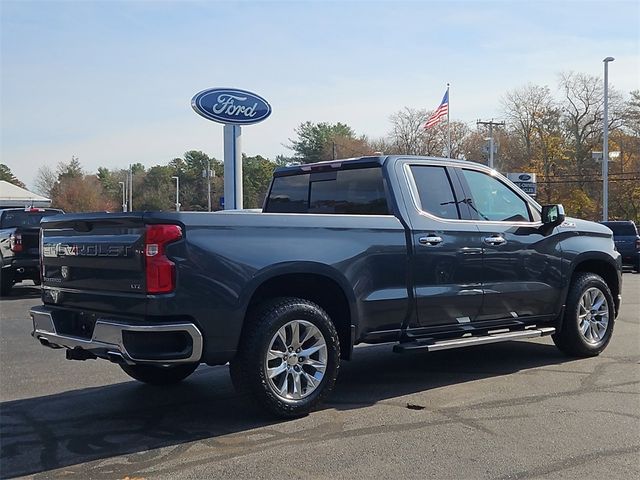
111, 82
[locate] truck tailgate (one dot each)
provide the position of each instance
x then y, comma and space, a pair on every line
94, 261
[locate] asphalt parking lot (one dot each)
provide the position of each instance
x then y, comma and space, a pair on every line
510, 410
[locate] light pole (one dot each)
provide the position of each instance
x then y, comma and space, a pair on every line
208, 185
605, 143
177, 193
124, 199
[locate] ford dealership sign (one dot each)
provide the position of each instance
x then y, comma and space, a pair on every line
231, 106
526, 181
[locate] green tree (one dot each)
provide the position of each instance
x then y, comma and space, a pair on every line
7, 175
256, 175
71, 169
314, 141
157, 190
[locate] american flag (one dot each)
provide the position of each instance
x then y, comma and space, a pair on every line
441, 111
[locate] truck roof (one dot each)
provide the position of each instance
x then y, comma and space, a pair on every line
356, 162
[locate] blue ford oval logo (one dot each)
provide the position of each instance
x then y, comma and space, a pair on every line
524, 177
231, 106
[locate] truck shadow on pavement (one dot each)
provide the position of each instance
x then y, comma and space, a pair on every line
71, 428
21, 291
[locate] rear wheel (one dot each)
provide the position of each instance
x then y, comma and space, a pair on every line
288, 358
158, 374
588, 318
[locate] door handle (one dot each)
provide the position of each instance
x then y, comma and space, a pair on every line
495, 240
430, 240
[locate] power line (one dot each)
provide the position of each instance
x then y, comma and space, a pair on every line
596, 180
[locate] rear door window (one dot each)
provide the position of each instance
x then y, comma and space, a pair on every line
435, 191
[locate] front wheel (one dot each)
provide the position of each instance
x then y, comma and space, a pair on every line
588, 318
288, 358
159, 374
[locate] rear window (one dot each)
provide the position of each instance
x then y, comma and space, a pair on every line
24, 219
622, 229
353, 192
289, 195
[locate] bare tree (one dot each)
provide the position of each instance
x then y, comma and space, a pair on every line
524, 109
582, 107
408, 133
45, 180
534, 120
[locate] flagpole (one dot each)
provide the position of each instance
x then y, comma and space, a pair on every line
448, 124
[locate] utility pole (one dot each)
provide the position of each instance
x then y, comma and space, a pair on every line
490, 124
334, 150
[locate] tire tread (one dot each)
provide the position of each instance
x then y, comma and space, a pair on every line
245, 375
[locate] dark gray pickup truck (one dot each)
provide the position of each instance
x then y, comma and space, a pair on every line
19, 247
428, 253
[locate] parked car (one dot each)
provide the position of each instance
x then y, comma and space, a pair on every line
19, 245
627, 240
428, 253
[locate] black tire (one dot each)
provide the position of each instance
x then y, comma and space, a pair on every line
159, 375
248, 368
570, 339
6, 282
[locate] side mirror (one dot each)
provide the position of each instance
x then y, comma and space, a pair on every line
552, 215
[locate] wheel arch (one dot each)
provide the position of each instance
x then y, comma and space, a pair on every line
602, 265
312, 281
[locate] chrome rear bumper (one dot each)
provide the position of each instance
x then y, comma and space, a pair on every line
107, 338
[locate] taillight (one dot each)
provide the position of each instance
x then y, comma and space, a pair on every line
638, 244
15, 242
160, 271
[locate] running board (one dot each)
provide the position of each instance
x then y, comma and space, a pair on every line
433, 346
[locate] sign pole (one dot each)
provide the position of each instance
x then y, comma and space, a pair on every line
232, 167
232, 107
208, 185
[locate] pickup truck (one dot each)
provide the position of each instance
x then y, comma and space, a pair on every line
428, 253
19, 252
627, 241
